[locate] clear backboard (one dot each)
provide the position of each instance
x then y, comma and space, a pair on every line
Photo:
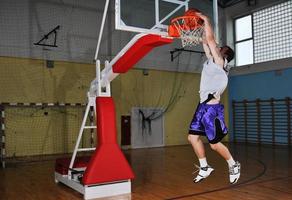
147, 16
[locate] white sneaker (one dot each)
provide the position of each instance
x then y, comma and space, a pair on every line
204, 172
234, 172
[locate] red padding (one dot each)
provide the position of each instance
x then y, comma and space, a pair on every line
108, 163
62, 164
138, 51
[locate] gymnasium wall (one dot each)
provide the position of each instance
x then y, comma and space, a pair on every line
156, 90
275, 84
42, 130
261, 80
25, 78
31, 131
263, 85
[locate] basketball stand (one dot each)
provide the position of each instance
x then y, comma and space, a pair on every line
107, 172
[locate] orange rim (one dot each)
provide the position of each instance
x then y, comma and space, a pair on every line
188, 18
185, 22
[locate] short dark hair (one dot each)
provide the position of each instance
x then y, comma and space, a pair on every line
229, 52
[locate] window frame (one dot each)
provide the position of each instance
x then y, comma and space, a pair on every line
255, 53
243, 40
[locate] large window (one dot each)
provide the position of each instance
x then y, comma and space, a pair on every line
264, 35
244, 41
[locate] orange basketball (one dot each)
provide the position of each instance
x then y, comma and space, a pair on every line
195, 21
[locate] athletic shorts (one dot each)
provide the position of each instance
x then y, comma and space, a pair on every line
208, 121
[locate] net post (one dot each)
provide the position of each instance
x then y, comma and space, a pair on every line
215, 16
101, 28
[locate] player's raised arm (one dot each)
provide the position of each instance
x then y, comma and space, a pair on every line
210, 40
206, 49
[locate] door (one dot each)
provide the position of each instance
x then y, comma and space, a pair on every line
126, 130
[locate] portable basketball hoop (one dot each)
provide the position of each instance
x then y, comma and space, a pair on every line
189, 28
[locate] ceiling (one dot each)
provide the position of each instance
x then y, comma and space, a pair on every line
227, 3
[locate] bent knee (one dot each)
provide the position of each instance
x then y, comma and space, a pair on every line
214, 147
193, 138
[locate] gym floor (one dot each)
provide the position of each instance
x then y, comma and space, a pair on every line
166, 173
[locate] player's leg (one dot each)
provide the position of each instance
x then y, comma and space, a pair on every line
215, 131
204, 170
234, 166
196, 129
198, 147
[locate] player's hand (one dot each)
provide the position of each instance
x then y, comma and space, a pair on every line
203, 17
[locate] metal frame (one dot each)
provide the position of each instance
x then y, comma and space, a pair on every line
159, 28
262, 121
101, 28
70, 179
4, 105
180, 50
90, 104
216, 24
100, 87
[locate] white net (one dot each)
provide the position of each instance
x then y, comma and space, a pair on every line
33, 133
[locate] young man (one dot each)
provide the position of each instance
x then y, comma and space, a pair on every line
208, 119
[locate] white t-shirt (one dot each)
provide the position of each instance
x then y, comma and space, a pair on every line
213, 80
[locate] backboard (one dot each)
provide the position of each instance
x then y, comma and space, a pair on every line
147, 16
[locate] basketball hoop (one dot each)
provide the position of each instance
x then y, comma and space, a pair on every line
189, 28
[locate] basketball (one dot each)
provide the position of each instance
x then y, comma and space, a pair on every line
193, 22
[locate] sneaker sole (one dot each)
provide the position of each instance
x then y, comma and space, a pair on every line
235, 181
203, 178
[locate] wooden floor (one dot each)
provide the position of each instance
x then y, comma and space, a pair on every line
166, 173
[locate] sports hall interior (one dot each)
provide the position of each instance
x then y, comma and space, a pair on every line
47, 51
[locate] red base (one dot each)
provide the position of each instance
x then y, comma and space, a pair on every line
108, 163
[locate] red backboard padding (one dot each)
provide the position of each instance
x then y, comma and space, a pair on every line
108, 163
138, 51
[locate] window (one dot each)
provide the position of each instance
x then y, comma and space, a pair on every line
264, 35
243, 41
272, 32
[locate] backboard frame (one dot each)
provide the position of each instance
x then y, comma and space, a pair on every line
159, 28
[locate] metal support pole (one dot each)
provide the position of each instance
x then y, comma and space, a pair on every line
215, 17
101, 28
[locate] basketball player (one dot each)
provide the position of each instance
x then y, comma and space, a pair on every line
208, 119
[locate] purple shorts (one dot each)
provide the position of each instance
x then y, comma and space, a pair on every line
208, 120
